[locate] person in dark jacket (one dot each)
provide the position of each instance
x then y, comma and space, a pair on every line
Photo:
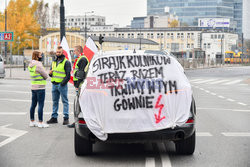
60, 75
80, 68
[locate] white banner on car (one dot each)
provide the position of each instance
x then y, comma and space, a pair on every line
127, 93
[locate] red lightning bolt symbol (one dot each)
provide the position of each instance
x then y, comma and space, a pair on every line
158, 117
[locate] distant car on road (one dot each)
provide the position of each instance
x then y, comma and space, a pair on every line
183, 136
2, 69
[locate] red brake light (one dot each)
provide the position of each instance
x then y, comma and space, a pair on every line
82, 122
190, 121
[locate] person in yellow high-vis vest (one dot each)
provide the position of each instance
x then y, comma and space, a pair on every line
80, 69
38, 77
60, 75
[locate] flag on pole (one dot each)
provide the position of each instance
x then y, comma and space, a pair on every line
66, 53
90, 49
65, 46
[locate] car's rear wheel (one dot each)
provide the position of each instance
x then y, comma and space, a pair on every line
186, 146
82, 146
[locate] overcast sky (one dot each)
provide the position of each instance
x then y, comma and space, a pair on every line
116, 11
122, 11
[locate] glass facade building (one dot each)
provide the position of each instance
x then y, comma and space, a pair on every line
189, 11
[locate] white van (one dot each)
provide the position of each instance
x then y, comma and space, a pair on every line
2, 70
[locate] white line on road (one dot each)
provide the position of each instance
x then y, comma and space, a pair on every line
236, 134
22, 92
213, 93
216, 82
223, 109
222, 97
230, 100
204, 81
242, 104
201, 89
207, 91
150, 162
28, 101
193, 80
164, 156
12, 134
13, 113
232, 82
203, 134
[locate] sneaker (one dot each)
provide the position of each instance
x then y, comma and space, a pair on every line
71, 125
65, 121
52, 121
42, 125
33, 123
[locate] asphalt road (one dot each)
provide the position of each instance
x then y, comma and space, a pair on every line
223, 128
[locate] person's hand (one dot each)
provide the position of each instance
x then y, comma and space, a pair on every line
50, 72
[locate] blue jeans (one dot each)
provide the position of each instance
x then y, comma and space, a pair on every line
37, 96
58, 90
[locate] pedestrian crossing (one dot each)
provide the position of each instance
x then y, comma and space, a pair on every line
217, 81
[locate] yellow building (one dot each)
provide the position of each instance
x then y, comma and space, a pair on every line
49, 42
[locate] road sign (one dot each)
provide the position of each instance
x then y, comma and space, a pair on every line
6, 36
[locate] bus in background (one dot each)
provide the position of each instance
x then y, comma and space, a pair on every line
229, 55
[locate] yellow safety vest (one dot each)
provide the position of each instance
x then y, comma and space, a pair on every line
36, 79
76, 67
58, 71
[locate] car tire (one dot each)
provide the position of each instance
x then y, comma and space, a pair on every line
82, 146
186, 146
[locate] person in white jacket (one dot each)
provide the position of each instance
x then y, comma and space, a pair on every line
38, 77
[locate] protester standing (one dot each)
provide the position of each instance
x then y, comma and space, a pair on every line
60, 75
38, 77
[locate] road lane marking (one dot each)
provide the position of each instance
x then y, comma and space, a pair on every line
12, 134
165, 160
150, 162
200, 108
203, 134
216, 82
222, 97
242, 104
13, 113
22, 92
204, 81
230, 100
213, 93
201, 89
232, 82
193, 80
28, 101
207, 91
236, 134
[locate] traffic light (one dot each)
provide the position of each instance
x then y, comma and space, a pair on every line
101, 39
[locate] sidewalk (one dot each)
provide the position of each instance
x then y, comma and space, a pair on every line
18, 73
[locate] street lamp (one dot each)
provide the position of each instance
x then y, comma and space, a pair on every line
85, 26
6, 44
62, 20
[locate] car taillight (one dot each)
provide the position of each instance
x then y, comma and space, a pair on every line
189, 121
82, 121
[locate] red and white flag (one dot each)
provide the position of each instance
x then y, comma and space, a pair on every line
66, 53
65, 46
90, 49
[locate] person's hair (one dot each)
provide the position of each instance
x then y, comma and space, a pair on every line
79, 48
59, 47
35, 55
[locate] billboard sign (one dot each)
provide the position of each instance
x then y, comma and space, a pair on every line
214, 22
6, 36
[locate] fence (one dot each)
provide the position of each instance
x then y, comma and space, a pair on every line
205, 63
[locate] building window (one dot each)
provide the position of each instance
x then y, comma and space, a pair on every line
152, 36
192, 45
172, 35
178, 35
219, 36
212, 36
204, 45
188, 35
215, 36
188, 45
208, 45
128, 35
132, 35
168, 35
148, 35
